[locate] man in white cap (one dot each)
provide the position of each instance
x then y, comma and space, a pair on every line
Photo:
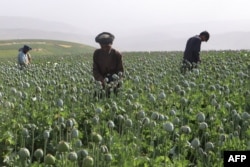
23, 56
107, 61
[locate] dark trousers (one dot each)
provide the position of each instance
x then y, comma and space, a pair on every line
187, 66
106, 93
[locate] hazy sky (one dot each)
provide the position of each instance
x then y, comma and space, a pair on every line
127, 16
116, 15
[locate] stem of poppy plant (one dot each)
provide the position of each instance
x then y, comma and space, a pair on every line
45, 147
33, 141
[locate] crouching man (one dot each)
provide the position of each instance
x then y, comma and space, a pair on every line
107, 64
24, 57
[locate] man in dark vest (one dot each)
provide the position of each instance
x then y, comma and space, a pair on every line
192, 51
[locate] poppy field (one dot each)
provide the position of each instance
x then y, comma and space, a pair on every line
160, 117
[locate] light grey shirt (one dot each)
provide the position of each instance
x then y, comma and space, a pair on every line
22, 58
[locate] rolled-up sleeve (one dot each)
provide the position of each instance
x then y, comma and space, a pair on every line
120, 67
96, 69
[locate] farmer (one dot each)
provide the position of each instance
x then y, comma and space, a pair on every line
192, 51
24, 57
107, 64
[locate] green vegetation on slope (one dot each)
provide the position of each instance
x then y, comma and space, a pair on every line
41, 47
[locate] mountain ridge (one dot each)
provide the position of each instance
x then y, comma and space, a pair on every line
152, 38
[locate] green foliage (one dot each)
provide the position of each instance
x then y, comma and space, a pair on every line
42, 49
52, 101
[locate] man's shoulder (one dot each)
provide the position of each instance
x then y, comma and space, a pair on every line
20, 53
115, 51
97, 52
194, 39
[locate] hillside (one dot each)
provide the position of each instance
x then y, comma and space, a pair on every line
30, 28
41, 47
226, 35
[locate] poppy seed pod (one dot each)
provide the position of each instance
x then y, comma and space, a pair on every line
97, 138
88, 161
141, 114
74, 133
108, 157
24, 153
168, 126
195, 143
63, 146
72, 156
104, 149
82, 153
111, 124
200, 117
49, 159
209, 146
38, 153
203, 125
78, 143
46, 134
129, 123
185, 129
